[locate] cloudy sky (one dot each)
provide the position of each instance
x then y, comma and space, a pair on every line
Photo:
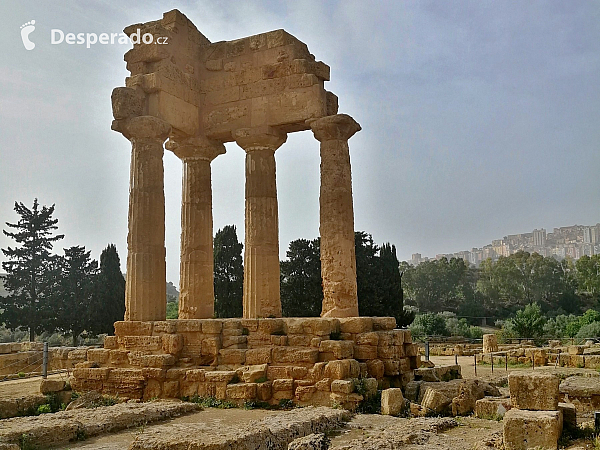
480, 118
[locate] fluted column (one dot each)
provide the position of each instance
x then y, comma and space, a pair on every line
196, 268
145, 287
338, 259
261, 253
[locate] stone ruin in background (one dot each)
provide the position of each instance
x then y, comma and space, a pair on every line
197, 95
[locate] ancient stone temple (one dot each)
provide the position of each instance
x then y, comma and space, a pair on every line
191, 96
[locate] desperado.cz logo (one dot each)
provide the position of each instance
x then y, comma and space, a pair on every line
58, 36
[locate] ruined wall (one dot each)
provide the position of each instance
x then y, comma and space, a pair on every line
309, 360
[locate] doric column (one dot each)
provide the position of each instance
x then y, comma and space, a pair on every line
261, 253
338, 259
196, 267
145, 288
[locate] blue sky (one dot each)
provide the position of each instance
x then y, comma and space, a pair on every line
480, 118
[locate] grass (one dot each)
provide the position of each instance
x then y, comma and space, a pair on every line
501, 364
210, 402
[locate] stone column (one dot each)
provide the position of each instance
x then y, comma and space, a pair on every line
261, 252
145, 287
338, 259
196, 275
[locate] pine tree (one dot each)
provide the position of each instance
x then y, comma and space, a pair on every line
109, 306
301, 288
76, 292
31, 270
229, 273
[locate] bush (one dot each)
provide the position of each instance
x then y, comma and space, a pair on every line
429, 324
591, 330
527, 323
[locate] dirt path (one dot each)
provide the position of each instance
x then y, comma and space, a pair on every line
26, 386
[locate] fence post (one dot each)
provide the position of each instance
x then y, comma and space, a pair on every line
426, 350
475, 361
455, 359
45, 367
506, 361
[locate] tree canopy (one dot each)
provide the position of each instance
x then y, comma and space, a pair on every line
229, 273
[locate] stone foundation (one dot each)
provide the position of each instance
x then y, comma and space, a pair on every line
306, 360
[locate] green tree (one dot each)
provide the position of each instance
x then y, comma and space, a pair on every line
108, 306
31, 270
429, 324
301, 289
76, 292
527, 323
229, 273
588, 275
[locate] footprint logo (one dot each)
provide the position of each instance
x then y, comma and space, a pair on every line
26, 30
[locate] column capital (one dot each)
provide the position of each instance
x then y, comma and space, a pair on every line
143, 127
197, 147
259, 138
336, 127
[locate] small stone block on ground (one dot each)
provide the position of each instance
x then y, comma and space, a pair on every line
533, 391
392, 401
525, 430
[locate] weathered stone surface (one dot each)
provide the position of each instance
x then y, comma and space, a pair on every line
392, 401
339, 349
576, 349
533, 391
490, 343
64, 426
435, 401
51, 386
525, 430
492, 408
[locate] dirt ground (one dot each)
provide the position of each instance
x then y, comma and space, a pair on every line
471, 433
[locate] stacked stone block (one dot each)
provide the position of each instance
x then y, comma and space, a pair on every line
306, 360
535, 420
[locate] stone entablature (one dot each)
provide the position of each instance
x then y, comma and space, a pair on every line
308, 360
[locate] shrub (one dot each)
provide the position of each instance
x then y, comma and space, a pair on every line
589, 331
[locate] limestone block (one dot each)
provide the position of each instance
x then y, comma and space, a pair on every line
110, 342
249, 374
176, 374
411, 350
576, 349
160, 361
50, 386
118, 357
211, 346
100, 373
282, 395
305, 393
577, 361
435, 401
78, 355
356, 324
347, 401
365, 352
340, 349
259, 356
127, 102
231, 331
299, 372
133, 328
188, 388
569, 415
370, 338
99, 355
592, 361
250, 324
384, 323
144, 343
270, 326
490, 343
324, 385
195, 375
171, 389
264, 391
342, 386
533, 391
317, 441
172, 343
279, 340
160, 327
375, 368
217, 376
297, 340
341, 369
154, 373
241, 391
295, 355
525, 430
392, 401
491, 407
189, 326
285, 384
212, 326
391, 367
234, 341
469, 392
259, 340
316, 342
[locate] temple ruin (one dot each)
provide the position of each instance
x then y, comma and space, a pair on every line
197, 95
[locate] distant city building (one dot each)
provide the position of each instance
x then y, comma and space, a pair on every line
565, 242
